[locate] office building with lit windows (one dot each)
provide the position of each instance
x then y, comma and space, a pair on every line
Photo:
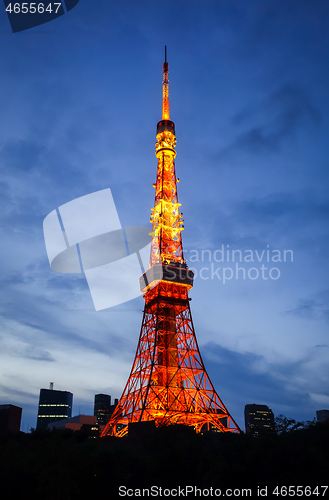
103, 408
259, 419
53, 406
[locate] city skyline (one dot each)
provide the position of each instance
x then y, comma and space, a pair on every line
248, 89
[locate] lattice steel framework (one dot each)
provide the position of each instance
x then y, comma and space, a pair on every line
168, 382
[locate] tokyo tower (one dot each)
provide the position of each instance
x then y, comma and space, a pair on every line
168, 383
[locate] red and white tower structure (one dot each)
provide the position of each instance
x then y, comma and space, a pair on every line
168, 383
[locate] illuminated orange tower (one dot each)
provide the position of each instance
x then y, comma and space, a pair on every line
168, 382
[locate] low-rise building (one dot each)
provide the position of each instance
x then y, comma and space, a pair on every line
85, 423
10, 418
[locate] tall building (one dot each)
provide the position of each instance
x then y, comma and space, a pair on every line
322, 416
259, 419
103, 408
168, 383
10, 418
53, 406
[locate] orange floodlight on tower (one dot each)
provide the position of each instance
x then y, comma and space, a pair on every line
168, 383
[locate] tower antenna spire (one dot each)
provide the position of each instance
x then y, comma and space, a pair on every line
165, 89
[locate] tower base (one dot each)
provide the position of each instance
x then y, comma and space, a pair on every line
168, 383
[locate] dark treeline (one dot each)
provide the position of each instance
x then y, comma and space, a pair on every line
66, 465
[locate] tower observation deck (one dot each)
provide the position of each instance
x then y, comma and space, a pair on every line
168, 383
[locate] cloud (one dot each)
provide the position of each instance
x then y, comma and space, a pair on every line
313, 308
58, 312
19, 156
32, 352
20, 212
285, 205
66, 282
273, 122
297, 220
243, 378
11, 392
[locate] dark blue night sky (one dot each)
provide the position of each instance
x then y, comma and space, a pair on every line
80, 99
